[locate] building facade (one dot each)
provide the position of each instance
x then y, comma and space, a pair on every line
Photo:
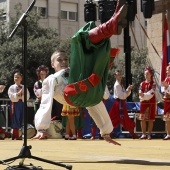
67, 16
155, 33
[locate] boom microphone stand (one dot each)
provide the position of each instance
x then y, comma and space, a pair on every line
25, 151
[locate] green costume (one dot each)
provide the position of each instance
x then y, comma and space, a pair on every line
89, 64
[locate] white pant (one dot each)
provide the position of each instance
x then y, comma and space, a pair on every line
101, 118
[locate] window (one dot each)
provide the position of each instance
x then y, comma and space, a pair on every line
72, 16
3, 5
41, 8
69, 11
3, 10
3, 17
42, 11
64, 14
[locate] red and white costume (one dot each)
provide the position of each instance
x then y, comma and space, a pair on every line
118, 112
53, 87
166, 101
148, 101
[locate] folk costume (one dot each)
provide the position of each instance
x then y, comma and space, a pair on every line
38, 85
17, 108
148, 101
78, 115
90, 57
58, 81
84, 83
118, 112
92, 123
70, 112
166, 100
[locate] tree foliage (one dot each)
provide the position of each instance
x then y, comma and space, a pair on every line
41, 43
138, 63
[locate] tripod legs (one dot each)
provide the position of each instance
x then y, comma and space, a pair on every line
25, 153
51, 162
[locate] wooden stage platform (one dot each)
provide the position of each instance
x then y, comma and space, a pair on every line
92, 155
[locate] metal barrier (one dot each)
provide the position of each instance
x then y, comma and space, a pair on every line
4, 114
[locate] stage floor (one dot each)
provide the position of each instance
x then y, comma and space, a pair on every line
92, 155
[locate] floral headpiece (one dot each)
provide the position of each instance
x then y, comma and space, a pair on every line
150, 70
42, 68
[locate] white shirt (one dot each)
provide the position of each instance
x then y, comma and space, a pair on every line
120, 92
164, 90
37, 90
13, 90
52, 87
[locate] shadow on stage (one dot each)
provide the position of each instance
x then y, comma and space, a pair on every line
128, 161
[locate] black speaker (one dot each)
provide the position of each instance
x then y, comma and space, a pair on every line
106, 9
147, 7
90, 13
158, 125
132, 10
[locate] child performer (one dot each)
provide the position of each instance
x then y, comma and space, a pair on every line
166, 98
42, 72
118, 112
70, 112
147, 102
16, 95
87, 77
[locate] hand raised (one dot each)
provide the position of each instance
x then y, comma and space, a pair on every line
2, 87
165, 84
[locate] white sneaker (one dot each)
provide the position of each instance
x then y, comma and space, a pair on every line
73, 137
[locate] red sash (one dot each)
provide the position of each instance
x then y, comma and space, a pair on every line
119, 115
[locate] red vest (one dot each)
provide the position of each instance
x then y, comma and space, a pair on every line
145, 87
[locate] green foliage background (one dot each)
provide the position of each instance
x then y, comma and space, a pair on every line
138, 64
41, 43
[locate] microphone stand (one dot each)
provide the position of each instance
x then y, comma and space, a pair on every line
25, 150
